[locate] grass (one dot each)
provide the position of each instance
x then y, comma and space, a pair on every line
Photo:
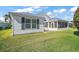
61, 41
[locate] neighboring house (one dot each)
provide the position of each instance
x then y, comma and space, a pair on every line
28, 23
3, 25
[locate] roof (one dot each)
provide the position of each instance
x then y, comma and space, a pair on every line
26, 14
58, 19
54, 18
21, 13
37, 15
44, 15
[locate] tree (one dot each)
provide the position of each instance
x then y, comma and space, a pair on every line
76, 19
7, 18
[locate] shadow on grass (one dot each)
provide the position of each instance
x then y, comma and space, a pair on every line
76, 33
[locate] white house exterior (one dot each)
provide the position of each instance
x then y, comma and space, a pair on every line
28, 23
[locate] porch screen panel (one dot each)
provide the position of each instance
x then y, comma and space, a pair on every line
55, 24
52, 25
49, 24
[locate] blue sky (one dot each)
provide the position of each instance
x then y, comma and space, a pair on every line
63, 12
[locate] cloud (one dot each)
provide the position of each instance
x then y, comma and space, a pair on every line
30, 10
36, 7
50, 14
55, 10
66, 17
59, 11
2, 19
62, 10
73, 9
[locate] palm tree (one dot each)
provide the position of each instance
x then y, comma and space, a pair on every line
7, 17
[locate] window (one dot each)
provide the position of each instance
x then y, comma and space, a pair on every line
28, 20
28, 23
49, 24
46, 24
33, 20
27, 26
33, 23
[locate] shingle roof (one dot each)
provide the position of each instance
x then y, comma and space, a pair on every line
39, 15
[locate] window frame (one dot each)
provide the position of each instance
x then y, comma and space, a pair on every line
34, 23
27, 23
31, 23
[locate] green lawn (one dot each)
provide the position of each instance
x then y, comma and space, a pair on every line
47, 41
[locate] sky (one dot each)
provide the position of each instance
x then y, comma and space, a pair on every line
62, 12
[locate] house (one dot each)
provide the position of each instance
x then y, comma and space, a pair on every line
28, 23
4, 25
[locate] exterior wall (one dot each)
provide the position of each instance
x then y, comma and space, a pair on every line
16, 21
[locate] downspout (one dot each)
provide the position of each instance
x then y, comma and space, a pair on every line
12, 24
